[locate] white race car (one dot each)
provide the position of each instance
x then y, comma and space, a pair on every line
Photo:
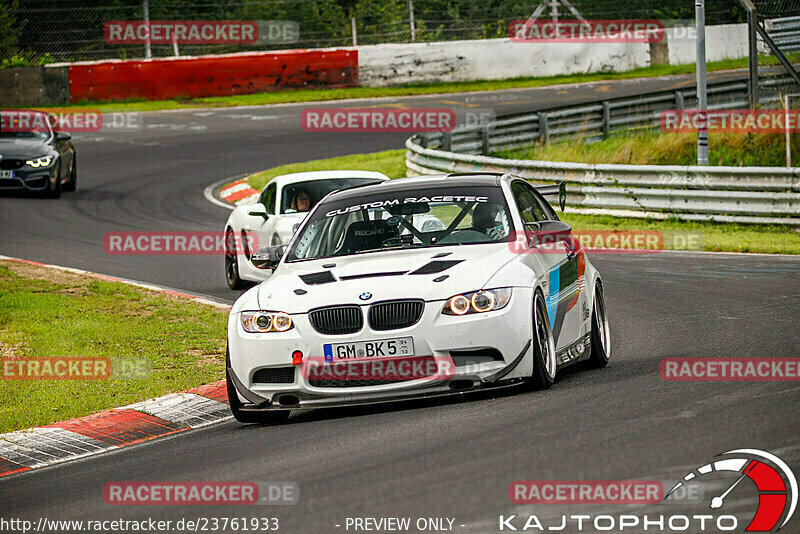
412, 288
281, 206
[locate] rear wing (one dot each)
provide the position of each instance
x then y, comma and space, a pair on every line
559, 189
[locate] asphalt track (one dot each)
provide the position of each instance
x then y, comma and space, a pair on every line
444, 458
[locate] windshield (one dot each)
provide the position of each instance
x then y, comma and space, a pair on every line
428, 217
24, 125
303, 196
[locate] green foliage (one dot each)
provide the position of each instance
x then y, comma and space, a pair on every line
10, 29
177, 344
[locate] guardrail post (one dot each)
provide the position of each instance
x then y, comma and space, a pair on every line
678, 100
447, 141
485, 149
543, 134
606, 119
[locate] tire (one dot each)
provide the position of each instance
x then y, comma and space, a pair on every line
545, 366
601, 333
54, 191
232, 263
73, 177
272, 417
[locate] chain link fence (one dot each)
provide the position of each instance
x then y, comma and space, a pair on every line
34, 31
778, 45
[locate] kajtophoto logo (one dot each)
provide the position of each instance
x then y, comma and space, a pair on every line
775, 502
776, 484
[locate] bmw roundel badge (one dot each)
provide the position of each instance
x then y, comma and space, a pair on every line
365, 296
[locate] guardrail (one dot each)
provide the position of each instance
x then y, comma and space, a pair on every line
785, 32
724, 194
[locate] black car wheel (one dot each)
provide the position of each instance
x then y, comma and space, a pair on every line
544, 347
601, 333
54, 191
232, 263
73, 177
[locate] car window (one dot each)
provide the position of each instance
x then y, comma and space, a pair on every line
529, 207
550, 214
303, 196
391, 220
267, 198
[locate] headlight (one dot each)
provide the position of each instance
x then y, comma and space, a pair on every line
478, 301
257, 322
43, 161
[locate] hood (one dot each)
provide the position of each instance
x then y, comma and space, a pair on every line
23, 148
430, 274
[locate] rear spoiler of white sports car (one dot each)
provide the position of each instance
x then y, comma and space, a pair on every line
559, 189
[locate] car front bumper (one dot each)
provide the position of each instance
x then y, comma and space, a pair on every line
34, 180
504, 333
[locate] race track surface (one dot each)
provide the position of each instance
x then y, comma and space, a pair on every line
445, 458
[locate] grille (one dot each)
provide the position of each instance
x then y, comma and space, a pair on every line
11, 164
337, 320
395, 314
429, 370
274, 375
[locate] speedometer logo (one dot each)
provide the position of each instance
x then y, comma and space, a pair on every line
776, 484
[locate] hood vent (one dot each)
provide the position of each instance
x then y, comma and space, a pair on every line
436, 266
323, 277
372, 275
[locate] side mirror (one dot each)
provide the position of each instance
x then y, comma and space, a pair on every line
258, 210
63, 136
267, 258
548, 233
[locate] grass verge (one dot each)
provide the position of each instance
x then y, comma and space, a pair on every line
318, 95
718, 237
649, 147
173, 344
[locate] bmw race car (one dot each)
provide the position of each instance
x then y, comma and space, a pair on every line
364, 305
281, 206
34, 156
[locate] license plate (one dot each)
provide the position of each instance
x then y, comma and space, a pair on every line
6, 174
382, 348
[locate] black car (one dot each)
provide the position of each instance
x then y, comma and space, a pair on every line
34, 156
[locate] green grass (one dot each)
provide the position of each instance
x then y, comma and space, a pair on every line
659, 148
318, 95
178, 344
710, 236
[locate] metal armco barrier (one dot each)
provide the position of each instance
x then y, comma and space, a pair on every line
724, 194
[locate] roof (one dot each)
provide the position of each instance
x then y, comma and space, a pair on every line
418, 183
295, 177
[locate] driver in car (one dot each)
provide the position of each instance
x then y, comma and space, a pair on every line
484, 220
301, 201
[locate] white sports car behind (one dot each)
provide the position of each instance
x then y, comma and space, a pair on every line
412, 288
276, 215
